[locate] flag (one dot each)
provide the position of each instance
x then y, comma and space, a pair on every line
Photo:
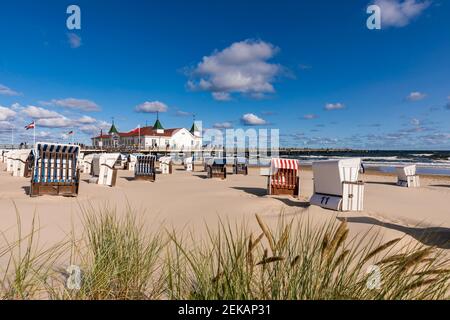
30, 126
70, 132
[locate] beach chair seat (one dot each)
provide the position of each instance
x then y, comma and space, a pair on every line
132, 159
217, 168
55, 170
165, 165
240, 166
406, 177
108, 172
205, 162
336, 185
22, 163
283, 178
189, 164
145, 168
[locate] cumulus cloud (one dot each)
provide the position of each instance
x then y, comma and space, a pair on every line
399, 13
152, 107
416, 96
40, 113
334, 106
4, 90
223, 125
250, 119
310, 116
241, 68
61, 122
72, 103
6, 114
74, 40
86, 120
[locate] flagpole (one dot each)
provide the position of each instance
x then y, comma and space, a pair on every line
139, 138
34, 134
12, 137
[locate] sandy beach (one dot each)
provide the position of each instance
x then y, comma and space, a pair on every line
189, 201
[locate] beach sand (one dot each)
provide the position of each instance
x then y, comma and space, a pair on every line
189, 201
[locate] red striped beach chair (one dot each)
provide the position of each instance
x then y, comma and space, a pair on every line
283, 177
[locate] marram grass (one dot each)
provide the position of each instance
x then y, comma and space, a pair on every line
121, 259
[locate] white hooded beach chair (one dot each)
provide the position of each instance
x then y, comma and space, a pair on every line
189, 164
9, 159
91, 164
205, 162
108, 172
55, 170
284, 177
145, 168
22, 163
132, 159
217, 168
165, 165
406, 177
240, 166
336, 185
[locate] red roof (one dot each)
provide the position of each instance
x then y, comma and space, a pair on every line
145, 131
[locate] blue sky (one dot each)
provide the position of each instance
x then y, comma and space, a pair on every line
310, 68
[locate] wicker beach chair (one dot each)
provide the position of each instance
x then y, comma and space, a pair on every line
145, 168
217, 168
336, 185
189, 164
22, 163
240, 166
165, 165
283, 177
55, 170
108, 172
406, 177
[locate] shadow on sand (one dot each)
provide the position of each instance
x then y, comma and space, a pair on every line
440, 185
27, 190
380, 182
260, 192
433, 236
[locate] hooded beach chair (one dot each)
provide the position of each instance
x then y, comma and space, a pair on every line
336, 185
240, 166
205, 162
189, 164
22, 163
108, 172
91, 164
406, 177
132, 159
9, 156
55, 170
217, 168
165, 165
145, 168
283, 177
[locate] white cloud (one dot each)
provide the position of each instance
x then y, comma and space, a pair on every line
334, 106
4, 90
398, 13
151, 107
223, 125
180, 113
310, 116
86, 120
74, 40
6, 114
242, 68
415, 122
416, 96
251, 119
54, 122
72, 103
40, 113
221, 96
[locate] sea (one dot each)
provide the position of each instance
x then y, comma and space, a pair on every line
427, 162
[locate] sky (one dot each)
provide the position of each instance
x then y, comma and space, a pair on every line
312, 69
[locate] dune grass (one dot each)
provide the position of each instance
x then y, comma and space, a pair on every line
121, 259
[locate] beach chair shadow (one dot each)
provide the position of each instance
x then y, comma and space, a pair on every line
260, 192
128, 178
27, 190
292, 203
380, 182
433, 236
440, 185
